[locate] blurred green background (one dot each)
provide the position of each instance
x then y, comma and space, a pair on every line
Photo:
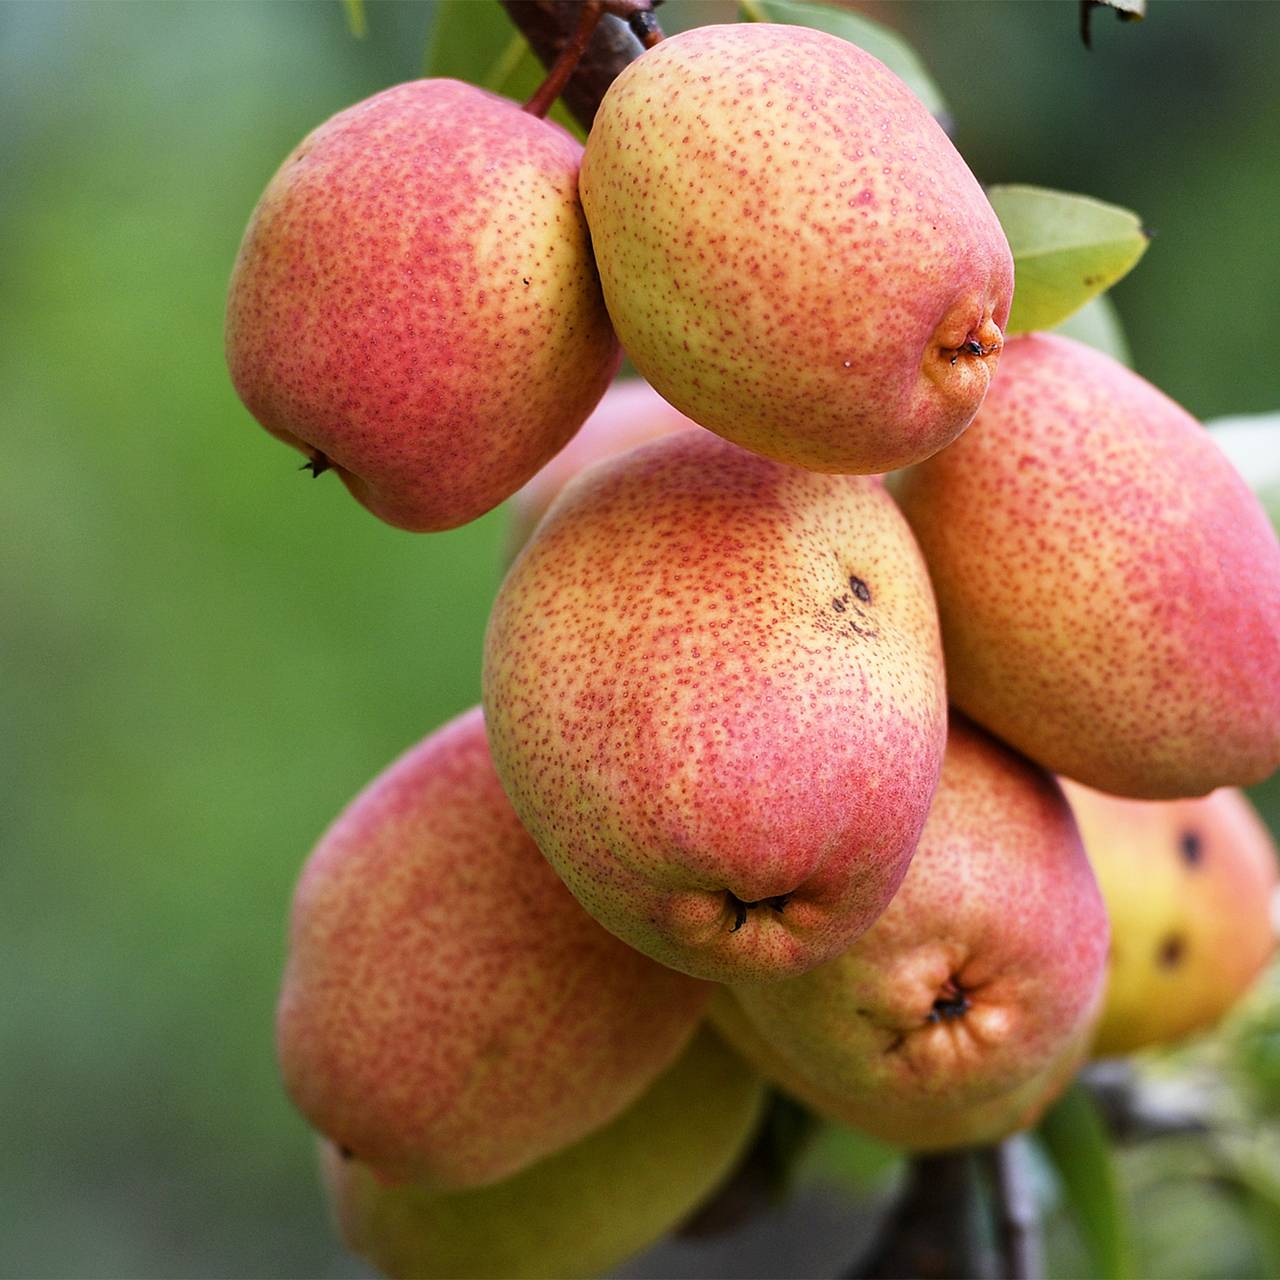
206, 654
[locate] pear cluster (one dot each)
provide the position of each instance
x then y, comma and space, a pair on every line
765, 783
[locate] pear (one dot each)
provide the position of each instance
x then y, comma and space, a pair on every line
449, 1013
1189, 886
715, 697
1108, 586
791, 250
958, 1015
415, 303
631, 413
579, 1212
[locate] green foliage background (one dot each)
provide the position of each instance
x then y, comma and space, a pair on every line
205, 653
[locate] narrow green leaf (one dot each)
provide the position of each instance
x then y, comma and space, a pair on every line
1252, 442
357, 21
877, 40
473, 40
1066, 250
1098, 324
1076, 1142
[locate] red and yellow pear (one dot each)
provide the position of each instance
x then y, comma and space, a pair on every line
715, 697
1190, 887
1108, 586
415, 303
792, 251
960, 1013
449, 1013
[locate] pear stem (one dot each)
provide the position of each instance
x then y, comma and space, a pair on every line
623, 32
564, 66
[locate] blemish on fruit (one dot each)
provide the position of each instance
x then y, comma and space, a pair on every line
860, 589
1172, 949
346, 1153
838, 605
1191, 846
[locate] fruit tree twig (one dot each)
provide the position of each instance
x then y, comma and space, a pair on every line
1017, 1218
550, 25
934, 1232
567, 59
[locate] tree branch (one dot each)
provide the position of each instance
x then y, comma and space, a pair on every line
550, 25
1017, 1217
935, 1230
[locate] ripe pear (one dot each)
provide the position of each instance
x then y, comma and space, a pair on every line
631, 413
955, 1018
792, 251
415, 303
1108, 586
715, 697
449, 1013
1188, 886
579, 1212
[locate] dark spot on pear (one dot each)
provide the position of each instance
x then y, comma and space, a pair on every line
1191, 846
346, 1153
1172, 949
860, 589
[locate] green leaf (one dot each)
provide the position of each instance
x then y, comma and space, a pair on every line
1098, 324
1066, 250
357, 22
877, 40
1252, 442
473, 40
1075, 1140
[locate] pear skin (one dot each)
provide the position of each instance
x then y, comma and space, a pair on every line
1189, 886
715, 697
792, 251
958, 1015
631, 413
1108, 586
579, 1212
415, 304
449, 1013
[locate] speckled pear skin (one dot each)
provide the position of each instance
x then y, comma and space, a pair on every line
715, 697
631, 413
792, 251
578, 1213
1188, 886
934, 1128
449, 1013
416, 299
1108, 586
956, 1015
